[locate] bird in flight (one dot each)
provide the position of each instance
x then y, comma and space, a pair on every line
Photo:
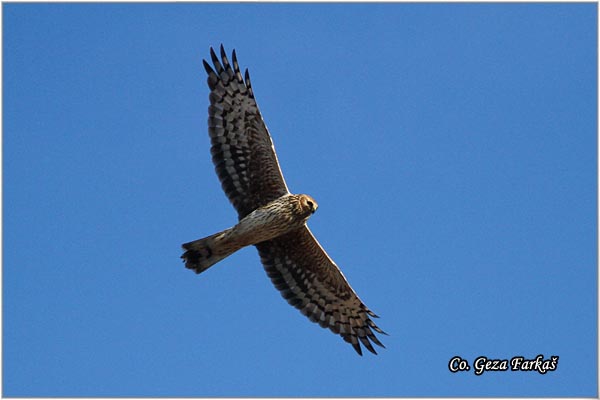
270, 217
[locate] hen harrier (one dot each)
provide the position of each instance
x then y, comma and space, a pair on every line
270, 217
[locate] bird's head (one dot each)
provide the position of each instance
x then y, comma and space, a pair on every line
308, 204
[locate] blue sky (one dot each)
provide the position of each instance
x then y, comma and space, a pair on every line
451, 149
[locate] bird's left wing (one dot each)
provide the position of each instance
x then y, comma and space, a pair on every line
310, 281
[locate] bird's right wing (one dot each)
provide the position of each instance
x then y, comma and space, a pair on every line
242, 150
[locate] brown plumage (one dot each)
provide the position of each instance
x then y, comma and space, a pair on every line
270, 217
282, 215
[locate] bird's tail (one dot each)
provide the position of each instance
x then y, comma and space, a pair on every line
203, 253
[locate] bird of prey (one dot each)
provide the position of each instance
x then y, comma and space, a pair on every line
270, 217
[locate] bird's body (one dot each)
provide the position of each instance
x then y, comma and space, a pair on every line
285, 214
270, 217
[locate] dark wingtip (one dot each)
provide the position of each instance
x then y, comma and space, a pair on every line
215, 60
213, 55
248, 82
225, 62
374, 339
236, 67
375, 327
367, 344
357, 348
207, 67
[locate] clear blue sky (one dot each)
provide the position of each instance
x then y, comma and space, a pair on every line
451, 149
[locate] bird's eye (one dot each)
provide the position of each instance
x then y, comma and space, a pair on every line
310, 204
